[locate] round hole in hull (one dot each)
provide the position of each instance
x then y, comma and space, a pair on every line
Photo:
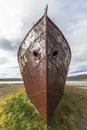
35, 53
55, 53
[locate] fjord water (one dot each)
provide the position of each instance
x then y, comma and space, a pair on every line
11, 82
76, 82
67, 82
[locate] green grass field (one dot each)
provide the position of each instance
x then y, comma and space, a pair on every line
18, 113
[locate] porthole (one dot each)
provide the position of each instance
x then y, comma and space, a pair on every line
35, 53
55, 53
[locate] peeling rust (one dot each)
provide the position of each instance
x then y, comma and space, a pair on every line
25, 59
44, 57
65, 62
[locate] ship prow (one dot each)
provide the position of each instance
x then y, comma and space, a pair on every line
44, 57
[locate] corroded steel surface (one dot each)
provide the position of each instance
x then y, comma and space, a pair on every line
44, 57
58, 60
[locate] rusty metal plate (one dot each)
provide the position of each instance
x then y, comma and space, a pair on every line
44, 57
58, 60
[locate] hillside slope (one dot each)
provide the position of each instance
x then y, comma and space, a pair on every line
78, 78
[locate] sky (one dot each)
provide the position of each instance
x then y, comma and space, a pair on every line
17, 17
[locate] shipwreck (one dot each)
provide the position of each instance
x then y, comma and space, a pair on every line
44, 57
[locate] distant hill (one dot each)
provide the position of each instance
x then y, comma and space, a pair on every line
77, 77
70, 78
11, 79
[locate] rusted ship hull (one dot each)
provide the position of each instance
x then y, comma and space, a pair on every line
44, 57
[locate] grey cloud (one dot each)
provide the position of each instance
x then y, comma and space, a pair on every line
81, 68
3, 60
14, 67
7, 45
4, 74
80, 58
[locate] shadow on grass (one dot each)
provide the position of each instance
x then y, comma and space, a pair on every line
19, 114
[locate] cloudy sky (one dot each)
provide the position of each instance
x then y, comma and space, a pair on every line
17, 17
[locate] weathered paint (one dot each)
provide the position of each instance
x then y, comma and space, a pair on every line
44, 57
58, 59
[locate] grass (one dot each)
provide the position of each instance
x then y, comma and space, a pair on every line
18, 113
10, 89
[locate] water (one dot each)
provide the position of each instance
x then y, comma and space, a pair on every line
76, 82
11, 82
20, 82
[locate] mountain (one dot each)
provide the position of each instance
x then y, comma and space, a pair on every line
77, 77
70, 78
11, 79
